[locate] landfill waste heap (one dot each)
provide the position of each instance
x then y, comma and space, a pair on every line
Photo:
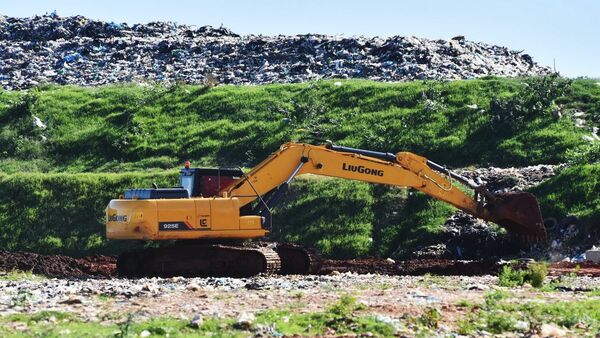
81, 51
466, 237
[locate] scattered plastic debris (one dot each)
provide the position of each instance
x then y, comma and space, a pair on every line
37, 122
592, 255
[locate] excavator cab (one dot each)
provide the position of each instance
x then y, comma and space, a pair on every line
207, 182
193, 182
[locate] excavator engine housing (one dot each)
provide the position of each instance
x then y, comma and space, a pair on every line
192, 211
188, 218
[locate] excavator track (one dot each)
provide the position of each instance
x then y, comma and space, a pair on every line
298, 260
198, 260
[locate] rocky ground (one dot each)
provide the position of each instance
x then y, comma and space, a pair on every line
185, 297
77, 50
398, 301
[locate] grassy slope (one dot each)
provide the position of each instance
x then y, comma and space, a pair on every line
126, 128
119, 128
63, 213
575, 191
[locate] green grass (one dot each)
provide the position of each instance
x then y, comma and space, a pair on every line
129, 127
534, 274
61, 324
584, 96
574, 191
333, 215
342, 317
404, 220
17, 275
500, 314
492, 297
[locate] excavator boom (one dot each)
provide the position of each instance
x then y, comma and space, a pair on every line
517, 212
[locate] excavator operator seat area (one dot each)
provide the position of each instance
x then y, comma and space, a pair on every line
207, 182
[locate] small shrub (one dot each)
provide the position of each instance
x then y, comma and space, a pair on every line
510, 277
430, 318
534, 99
534, 274
464, 303
465, 327
345, 306
498, 322
493, 297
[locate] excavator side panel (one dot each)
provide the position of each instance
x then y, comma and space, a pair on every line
225, 213
203, 213
168, 219
175, 215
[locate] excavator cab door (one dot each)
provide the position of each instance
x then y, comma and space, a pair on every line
187, 180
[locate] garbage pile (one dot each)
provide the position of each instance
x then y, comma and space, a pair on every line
81, 51
499, 180
568, 237
466, 237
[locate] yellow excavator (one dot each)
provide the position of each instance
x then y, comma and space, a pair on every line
216, 210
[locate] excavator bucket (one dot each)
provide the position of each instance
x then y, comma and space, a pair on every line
519, 213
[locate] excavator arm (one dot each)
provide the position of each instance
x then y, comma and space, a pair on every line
519, 213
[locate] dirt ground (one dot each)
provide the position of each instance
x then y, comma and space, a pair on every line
105, 266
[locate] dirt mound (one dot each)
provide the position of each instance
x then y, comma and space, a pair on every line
105, 266
57, 265
580, 269
416, 267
